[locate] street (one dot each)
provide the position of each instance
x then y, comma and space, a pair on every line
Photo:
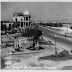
60, 38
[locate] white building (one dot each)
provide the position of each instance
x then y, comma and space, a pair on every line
24, 19
8, 23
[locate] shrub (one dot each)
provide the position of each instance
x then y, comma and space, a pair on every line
60, 24
71, 27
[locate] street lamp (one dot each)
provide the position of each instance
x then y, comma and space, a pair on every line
67, 28
67, 25
7, 39
7, 36
55, 45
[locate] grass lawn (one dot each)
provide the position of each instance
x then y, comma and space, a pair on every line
64, 55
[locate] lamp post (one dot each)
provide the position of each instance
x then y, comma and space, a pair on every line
55, 45
67, 28
67, 25
7, 36
7, 39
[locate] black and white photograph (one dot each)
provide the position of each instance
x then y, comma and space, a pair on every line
36, 36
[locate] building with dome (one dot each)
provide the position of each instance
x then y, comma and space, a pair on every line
24, 19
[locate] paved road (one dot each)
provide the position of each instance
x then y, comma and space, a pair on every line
60, 38
67, 35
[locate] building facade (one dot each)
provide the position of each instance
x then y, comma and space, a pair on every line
24, 19
7, 23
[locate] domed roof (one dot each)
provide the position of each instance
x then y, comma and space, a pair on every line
26, 13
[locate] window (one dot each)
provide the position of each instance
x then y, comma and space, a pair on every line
29, 16
26, 18
16, 19
21, 24
29, 23
26, 24
21, 19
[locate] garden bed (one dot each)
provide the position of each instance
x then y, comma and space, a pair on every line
64, 55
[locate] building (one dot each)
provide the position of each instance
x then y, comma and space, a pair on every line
7, 23
24, 19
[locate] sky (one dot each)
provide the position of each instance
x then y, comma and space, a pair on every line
46, 11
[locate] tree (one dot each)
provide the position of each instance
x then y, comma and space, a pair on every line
71, 27
15, 25
37, 33
60, 24
31, 33
18, 25
26, 29
2, 27
55, 24
28, 32
51, 24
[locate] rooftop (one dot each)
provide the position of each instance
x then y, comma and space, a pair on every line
26, 13
18, 14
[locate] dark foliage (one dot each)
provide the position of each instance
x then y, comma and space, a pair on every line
71, 27
60, 25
